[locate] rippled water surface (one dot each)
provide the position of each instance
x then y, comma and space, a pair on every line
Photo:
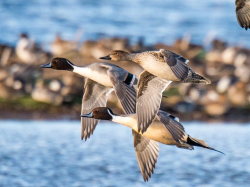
157, 21
52, 154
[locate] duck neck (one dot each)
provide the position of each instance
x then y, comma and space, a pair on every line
83, 71
126, 120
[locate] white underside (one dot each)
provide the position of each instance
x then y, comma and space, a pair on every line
101, 78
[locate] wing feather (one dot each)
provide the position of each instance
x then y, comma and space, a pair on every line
124, 90
149, 97
147, 152
243, 13
95, 95
174, 127
177, 63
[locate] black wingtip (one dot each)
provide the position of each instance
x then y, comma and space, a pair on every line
84, 138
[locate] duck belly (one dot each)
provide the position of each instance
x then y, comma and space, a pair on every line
159, 133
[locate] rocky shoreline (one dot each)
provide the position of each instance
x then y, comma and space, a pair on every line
29, 92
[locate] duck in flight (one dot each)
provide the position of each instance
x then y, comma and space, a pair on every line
101, 80
243, 13
161, 68
165, 129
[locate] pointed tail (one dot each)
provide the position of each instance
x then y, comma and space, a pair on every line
196, 78
200, 143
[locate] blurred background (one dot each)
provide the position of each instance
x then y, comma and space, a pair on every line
39, 109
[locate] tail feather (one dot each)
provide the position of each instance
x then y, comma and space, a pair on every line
200, 143
196, 78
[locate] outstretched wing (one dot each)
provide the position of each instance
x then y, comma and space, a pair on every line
95, 95
174, 127
149, 96
243, 13
147, 152
177, 63
123, 83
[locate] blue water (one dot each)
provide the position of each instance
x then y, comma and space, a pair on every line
49, 153
156, 21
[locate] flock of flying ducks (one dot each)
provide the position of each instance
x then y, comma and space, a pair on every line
140, 98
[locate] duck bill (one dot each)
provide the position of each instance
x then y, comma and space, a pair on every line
89, 115
46, 65
105, 57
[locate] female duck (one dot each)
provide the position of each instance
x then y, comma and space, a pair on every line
163, 63
161, 67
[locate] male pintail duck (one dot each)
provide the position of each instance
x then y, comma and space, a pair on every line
243, 13
102, 79
161, 67
165, 129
